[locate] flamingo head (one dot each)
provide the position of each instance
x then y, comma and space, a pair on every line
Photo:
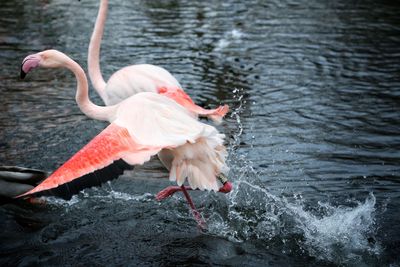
45, 59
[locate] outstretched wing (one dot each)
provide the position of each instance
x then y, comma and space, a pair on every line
102, 159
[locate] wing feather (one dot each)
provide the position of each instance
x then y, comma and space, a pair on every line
99, 161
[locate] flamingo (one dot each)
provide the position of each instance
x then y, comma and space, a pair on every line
141, 126
138, 78
142, 78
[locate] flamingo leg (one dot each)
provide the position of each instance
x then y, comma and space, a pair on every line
170, 190
200, 222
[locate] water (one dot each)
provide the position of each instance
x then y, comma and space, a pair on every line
313, 134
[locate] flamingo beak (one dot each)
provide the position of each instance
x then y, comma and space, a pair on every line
29, 63
23, 74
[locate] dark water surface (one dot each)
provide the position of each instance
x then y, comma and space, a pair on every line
314, 133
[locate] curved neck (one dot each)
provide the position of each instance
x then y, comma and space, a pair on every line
94, 51
82, 95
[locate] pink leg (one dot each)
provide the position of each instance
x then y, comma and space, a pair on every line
36, 201
170, 190
226, 188
200, 222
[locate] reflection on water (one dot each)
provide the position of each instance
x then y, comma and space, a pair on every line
313, 134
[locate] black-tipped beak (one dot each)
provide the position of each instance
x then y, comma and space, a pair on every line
23, 73
29, 63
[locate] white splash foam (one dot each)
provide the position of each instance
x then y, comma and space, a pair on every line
337, 233
341, 234
61, 202
99, 193
125, 196
228, 38
236, 34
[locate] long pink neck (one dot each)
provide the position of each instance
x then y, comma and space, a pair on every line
94, 51
82, 95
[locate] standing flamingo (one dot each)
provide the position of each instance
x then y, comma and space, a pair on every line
141, 126
138, 78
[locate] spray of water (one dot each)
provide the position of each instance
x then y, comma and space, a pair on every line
105, 194
339, 234
229, 37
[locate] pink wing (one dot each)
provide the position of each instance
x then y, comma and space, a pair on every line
99, 161
183, 99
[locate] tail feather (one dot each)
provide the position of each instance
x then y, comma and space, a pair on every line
202, 176
200, 162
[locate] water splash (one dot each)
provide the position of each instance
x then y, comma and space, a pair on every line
61, 202
229, 37
236, 112
112, 195
339, 234
103, 194
125, 196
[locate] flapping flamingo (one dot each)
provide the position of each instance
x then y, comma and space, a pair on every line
138, 78
140, 126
